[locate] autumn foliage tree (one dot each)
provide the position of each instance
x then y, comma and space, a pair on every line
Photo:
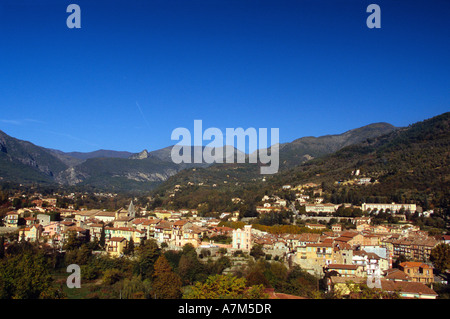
166, 284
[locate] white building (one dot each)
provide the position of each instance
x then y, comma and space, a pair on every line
392, 207
242, 238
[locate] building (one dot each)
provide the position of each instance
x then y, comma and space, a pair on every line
321, 208
314, 257
116, 245
417, 271
346, 270
32, 233
393, 207
105, 217
242, 238
131, 210
43, 219
12, 219
336, 227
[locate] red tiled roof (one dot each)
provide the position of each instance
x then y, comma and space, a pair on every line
342, 266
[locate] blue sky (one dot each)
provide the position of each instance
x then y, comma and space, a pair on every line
136, 70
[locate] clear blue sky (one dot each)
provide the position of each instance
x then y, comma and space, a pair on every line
136, 70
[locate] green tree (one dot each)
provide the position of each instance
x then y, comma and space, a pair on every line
102, 240
111, 276
134, 288
257, 251
2, 247
147, 254
26, 276
129, 250
190, 268
440, 257
224, 287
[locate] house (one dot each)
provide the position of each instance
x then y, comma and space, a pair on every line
43, 219
163, 214
242, 238
192, 234
129, 233
220, 231
32, 233
351, 238
346, 270
30, 221
163, 232
148, 226
52, 232
336, 227
421, 248
95, 230
12, 219
105, 217
178, 229
380, 229
84, 215
413, 247
417, 271
343, 254
116, 245
409, 290
314, 257
358, 221
370, 262
395, 274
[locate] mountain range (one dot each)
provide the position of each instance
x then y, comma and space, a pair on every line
24, 162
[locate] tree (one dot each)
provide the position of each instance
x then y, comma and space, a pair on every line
26, 276
440, 257
129, 250
2, 247
190, 268
257, 251
166, 283
111, 276
224, 287
147, 253
73, 241
102, 241
134, 288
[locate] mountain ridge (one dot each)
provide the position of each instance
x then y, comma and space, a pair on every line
100, 167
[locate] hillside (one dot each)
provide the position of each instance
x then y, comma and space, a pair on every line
409, 163
306, 148
22, 160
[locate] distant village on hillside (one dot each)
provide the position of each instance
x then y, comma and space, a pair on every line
350, 250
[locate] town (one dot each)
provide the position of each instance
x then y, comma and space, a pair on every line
341, 246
